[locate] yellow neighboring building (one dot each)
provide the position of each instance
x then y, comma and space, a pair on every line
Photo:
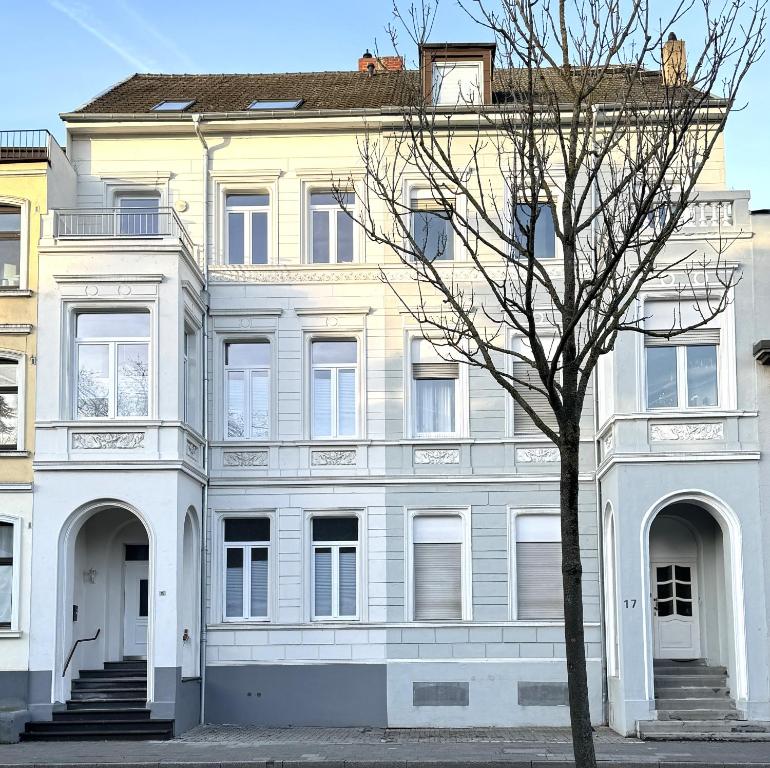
35, 176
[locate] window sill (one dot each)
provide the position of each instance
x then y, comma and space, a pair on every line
10, 634
14, 455
19, 293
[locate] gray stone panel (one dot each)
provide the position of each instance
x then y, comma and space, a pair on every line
187, 709
302, 694
450, 694
543, 694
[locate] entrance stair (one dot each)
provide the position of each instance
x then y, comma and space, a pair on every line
107, 704
694, 704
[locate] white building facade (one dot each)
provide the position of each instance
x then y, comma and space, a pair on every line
254, 473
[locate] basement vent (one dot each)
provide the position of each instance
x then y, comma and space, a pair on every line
543, 694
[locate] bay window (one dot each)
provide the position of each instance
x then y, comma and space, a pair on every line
434, 392
112, 363
247, 389
331, 228
334, 397
10, 246
247, 568
335, 567
539, 592
247, 227
192, 377
437, 567
9, 405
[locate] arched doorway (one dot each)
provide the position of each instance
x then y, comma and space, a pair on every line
189, 614
693, 572
106, 591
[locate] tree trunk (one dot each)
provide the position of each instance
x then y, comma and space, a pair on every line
572, 573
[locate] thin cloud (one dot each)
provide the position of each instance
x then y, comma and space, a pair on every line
82, 17
167, 43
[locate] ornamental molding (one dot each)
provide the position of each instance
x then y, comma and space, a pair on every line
192, 449
15, 329
687, 432
336, 458
536, 455
107, 440
436, 455
244, 458
608, 441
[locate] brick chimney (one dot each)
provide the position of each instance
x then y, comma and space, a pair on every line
674, 62
372, 64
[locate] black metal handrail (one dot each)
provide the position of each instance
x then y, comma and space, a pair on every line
74, 648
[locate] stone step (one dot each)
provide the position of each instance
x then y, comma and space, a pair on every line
706, 736
698, 714
691, 692
685, 726
687, 681
678, 669
107, 704
691, 703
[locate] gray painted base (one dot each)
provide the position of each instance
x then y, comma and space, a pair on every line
176, 699
305, 694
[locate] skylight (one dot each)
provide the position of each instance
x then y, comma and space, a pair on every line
275, 104
172, 106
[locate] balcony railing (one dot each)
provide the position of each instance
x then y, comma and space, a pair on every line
25, 146
709, 214
120, 223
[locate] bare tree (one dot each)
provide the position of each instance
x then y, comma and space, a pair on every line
597, 137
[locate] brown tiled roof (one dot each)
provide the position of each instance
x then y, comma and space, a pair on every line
319, 90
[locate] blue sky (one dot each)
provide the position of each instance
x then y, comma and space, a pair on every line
63, 52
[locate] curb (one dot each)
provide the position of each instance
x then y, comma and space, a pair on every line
421, 763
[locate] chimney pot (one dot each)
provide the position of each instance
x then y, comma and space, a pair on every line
674, 62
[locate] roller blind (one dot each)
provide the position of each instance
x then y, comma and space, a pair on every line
698, 336
539, 592
347, 585
522, 422
435, 370
437, 567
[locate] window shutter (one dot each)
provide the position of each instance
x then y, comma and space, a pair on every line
698, 336
259, 568
435, 370
437, 581
522, 423
347, 576
323, 582
234, 583
539, 580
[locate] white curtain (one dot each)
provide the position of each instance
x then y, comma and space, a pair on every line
322, 403
435, 405
346, 402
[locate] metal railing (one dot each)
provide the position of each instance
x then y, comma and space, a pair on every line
24, 145
75, 646
113, 223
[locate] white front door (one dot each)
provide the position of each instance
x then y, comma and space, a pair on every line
136, 598
675, 610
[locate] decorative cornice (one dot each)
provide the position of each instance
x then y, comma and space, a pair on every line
249, 312
309, 311
537, 455
112, 278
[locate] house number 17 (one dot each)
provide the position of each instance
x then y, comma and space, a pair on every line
630, 603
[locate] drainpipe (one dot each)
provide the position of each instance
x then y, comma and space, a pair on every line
598, 488
197, 120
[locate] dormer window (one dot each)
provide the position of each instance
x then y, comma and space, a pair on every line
457, 83
457, 74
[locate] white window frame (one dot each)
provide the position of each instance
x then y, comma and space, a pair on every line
15, 523
247, 211
462, 414
258, 338
448, 65
191, 328
24, 206
510, 222
21, 379
222, 565
335, 547
112, 344
726, 361
332, 210
335, 367
362, 593
418, 190
514, 514
245, 183
464, 513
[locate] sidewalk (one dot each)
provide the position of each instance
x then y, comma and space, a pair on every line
242, 747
